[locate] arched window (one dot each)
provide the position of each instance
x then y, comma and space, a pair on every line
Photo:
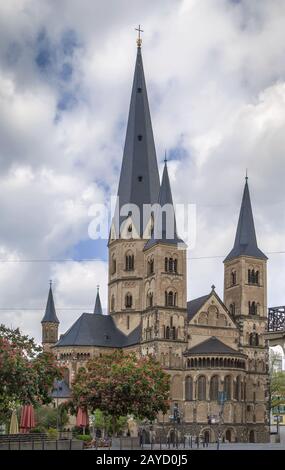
214, 388
149, 300
228, 387
253, 339
252, 308
130, 262
112, 303
234, 278
253, 276
201, 386
129, 300
167, 332
114, 265
170, 265
170, 299
150, 266
188, 389
237, 389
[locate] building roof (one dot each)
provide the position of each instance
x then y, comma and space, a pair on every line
50, 313
194, 305
164, 230
98, 306
211, 346
60, 389
245, 241
97, 330
139, 178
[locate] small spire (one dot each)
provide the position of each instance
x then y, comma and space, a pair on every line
245, 240
98, 307
139, 39
213, 287
50, 312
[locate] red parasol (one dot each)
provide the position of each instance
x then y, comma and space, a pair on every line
82, 419
27, 419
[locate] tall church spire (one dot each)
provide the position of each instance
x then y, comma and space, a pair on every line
245, 240
164, 219
98, 307
50, 313
139, 179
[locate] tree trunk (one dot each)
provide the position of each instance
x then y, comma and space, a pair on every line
114, 425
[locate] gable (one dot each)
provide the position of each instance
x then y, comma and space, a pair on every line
209, 310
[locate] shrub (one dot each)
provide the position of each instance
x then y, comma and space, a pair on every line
38, 429
52, 434
84, 437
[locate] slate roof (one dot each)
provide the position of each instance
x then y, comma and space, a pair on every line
164, 221
97, 330
194, 305
245, 240
139, 178
211, 346
50, 313
60, 389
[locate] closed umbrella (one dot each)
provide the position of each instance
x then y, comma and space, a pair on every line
82, 419
14, 426
27, 419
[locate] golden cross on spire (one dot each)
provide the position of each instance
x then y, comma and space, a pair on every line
139, 39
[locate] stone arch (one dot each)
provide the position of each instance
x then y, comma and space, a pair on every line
251, 436
212, 315
230, 435
201, 385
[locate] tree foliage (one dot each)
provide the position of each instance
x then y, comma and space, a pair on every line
121, 384
277, 382
27, 373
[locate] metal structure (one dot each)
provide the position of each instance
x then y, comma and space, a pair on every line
276, 318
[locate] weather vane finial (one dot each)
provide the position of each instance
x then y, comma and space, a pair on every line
139, 39
246, 177
50, 282
165, 157
98, 287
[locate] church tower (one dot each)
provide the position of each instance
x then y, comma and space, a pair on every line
245, 295
138, 186
50, 323
164, 310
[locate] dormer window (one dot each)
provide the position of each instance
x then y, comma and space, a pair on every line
140, 137
130, 228
140, 178
139, 89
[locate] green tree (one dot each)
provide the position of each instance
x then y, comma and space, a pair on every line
121, 384
277, 382
27, 373
105, 422
47, 417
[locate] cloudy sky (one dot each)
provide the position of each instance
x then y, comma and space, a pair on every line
215, 72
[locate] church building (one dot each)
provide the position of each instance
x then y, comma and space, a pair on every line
213, 349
